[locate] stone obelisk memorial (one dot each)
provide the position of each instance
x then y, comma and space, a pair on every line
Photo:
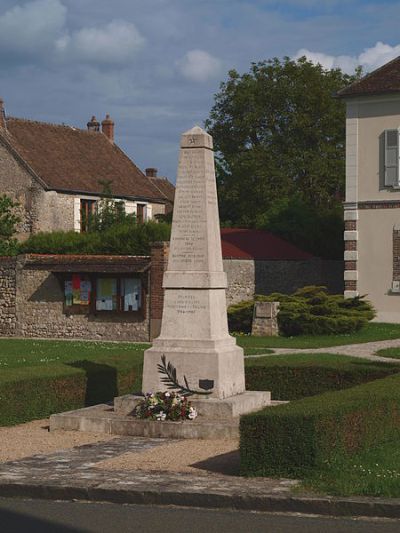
194, 331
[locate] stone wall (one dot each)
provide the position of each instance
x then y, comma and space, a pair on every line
16, 182
7, 296
53, 211
247, 277
40, 312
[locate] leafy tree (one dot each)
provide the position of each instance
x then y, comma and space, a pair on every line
8, 222
279, 134
109, 212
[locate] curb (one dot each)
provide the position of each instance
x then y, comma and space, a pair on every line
367, 507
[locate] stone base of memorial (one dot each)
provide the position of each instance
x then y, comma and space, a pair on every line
217, 419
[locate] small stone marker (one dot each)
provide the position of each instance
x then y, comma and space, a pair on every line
194, 331
265, 319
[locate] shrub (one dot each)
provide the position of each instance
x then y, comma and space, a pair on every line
310, 310
305, 436
37, 392
127, 238
294, 377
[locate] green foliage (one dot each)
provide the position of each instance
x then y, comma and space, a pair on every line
304, 437
126, 238
109, 212
280, 140
8, 222
292, 377
318, 231
39, 378
308, 311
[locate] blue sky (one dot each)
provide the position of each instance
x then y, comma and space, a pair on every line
155, 65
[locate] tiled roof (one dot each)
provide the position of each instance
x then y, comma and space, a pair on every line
258, 244
166, 188
71, 159
383, 80
87, 263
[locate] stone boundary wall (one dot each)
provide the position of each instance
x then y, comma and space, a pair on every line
7, 296
247, 277
40, 312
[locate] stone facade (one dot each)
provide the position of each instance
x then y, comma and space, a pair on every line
247, 277
8, 318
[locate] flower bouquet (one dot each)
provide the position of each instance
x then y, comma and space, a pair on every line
165, 406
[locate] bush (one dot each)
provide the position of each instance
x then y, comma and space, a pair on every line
308, 311
294, 377
304, 437
127, 238
37, 392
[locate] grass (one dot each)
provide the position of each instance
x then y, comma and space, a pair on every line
16, 353
375, 472
371, 332
389, 352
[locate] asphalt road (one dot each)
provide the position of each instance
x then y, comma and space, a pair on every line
27, 516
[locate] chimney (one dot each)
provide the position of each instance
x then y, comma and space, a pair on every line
93, 124
2, 115
151, 172
107, 127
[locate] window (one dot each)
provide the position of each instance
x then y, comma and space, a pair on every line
88, 210
85, 293
392, 158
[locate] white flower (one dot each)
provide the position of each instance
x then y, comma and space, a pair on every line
167, 394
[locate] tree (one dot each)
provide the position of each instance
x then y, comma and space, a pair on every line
279, 134
8, 222
109, 212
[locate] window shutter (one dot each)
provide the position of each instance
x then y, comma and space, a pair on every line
77, 214
149, 214
391, 158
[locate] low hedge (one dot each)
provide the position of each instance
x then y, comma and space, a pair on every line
297, 376
36, 392
308, 311
303, 437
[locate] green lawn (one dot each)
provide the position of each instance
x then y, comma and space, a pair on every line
375, 472
389, 352
371, 332
15, 353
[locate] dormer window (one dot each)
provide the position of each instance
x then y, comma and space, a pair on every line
392, 158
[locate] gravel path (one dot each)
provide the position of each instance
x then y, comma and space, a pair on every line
363, 351
34, 438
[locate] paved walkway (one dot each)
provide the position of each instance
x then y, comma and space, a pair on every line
72, 475
364, 351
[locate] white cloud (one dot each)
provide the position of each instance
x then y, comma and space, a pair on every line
199, 66
32, 27
369, 59
114, 43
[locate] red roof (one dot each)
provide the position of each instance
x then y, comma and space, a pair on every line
240, 243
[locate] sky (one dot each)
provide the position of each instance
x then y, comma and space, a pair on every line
155, 65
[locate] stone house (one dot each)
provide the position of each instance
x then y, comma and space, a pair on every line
57, 173
372, 206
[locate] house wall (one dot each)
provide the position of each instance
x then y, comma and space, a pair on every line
16, 182
375, 261
248, 277
54, 211
7, 296
371, 209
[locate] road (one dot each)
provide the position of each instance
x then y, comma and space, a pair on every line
37, 516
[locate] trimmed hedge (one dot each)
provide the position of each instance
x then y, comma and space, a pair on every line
36, 392
300, 438
308, 311
297, 376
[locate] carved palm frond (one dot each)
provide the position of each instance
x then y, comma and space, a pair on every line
170, 379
